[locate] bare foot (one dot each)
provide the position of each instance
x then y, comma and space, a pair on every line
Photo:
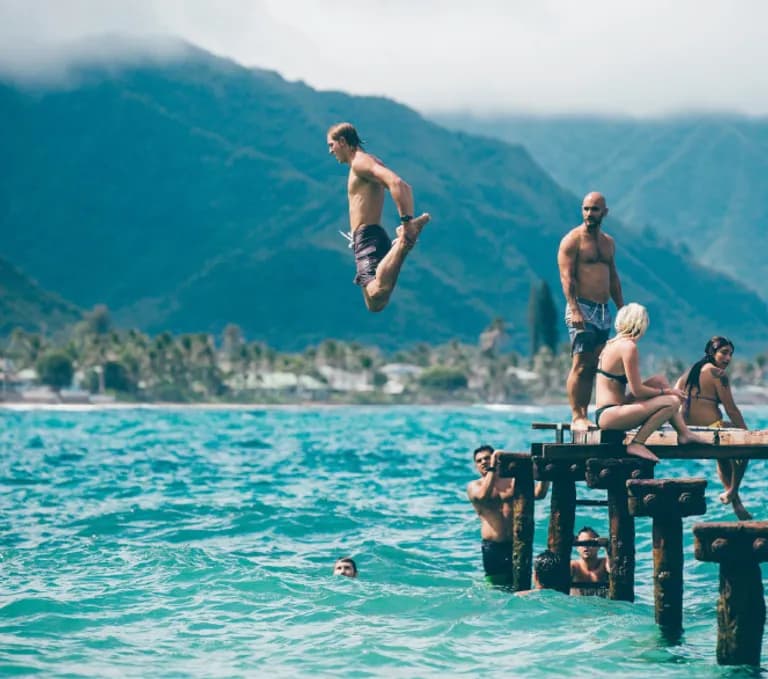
409, 232
739, 509
581, 424
639, 450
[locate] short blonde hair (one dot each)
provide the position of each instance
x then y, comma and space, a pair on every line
632, 320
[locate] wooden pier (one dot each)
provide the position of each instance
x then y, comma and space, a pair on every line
599, 459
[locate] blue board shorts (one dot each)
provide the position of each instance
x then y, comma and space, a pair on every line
597, 326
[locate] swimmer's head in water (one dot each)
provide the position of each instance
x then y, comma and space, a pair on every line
482, 457
346, 567
546, 567
585, 551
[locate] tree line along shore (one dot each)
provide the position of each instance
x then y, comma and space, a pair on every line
95, 360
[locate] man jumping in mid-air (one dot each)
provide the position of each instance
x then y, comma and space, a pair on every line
377, 258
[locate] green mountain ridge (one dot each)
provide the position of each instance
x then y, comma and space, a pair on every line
24, 304
197, 193
699, 179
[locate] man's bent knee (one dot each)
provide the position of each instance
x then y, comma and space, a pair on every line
377, 300
376, 306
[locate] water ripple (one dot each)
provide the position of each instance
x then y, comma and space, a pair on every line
185, 542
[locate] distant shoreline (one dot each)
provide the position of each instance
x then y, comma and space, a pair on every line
312, 405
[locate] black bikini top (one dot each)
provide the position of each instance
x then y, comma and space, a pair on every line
621, 379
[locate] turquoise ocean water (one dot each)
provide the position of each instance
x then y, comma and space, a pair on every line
200, 543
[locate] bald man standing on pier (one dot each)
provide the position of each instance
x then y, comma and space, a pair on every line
589, 278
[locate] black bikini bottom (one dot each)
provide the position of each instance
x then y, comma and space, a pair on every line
601, 410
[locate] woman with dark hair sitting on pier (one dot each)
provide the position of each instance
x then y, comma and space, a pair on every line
649, 404
706, 386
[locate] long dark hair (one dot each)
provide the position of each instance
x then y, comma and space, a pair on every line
713, 346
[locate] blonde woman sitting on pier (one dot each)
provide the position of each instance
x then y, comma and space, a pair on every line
706, 387
649, 404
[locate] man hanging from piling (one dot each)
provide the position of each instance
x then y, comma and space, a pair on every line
492, 497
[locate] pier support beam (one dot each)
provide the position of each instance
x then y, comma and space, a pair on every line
520, 467
562, 512
667, 501
739, 548
612, 475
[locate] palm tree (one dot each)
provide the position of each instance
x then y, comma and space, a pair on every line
25, 348
232, 340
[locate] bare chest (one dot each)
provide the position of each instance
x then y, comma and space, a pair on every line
596, 573
358, 187
594, 251
500, 499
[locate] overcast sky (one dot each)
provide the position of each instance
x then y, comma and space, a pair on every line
645, 57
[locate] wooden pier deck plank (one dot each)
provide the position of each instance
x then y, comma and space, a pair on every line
666, 435
722, 444
722, 437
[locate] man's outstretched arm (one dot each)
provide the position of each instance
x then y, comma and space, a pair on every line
402, 194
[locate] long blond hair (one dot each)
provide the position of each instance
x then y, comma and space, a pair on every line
632, 320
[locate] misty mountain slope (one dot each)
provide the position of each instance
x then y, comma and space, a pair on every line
196, 193
701, 180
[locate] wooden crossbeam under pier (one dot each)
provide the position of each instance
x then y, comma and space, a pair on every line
581, 451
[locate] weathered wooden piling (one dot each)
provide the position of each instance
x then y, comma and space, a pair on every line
739, 548
667, 501
520, 467
612, 475
562, 513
